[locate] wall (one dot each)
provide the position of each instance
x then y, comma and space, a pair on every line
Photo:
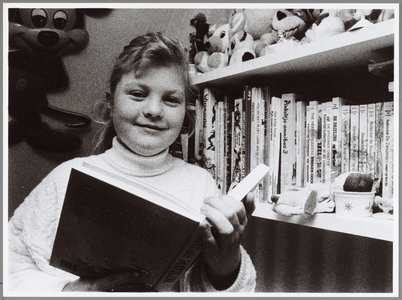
88, 72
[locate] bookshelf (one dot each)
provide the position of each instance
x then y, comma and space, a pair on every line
334, 55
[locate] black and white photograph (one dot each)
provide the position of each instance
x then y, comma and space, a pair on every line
197, 149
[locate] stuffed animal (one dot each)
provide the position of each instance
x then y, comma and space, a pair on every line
199, 22
327, 24
38, 39
241, 46
216, 54
288, 28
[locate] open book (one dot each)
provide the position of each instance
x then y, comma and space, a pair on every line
111, 223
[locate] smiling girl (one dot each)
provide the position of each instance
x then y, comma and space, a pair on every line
144, 113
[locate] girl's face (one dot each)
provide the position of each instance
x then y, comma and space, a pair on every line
149, 109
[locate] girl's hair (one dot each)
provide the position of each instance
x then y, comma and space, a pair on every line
149, 50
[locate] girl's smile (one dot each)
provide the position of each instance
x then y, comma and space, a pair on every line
149, 109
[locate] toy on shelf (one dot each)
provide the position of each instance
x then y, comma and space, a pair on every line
38, 39
216, 44
241, 43
199, 22
288, 28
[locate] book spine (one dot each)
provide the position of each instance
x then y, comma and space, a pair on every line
313, 140
276, 143
345, 131
387, 155
288, 129
354, 138
379, 135
337, 104
318, 141
260, 136
301, 141
228, 109
371, 139
219, 147
363, 138
253, 129
266, 112
209, 131
327, 142
307, 146
198, 132
236, 164
247, 95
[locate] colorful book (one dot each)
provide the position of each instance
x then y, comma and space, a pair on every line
228, 109
219, 147
307, 173
371, 131
345, 134
363, 137
276, 124
354, 138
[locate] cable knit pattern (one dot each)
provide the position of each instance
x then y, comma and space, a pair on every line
33, 227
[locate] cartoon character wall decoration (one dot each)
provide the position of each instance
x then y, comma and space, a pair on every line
38, 39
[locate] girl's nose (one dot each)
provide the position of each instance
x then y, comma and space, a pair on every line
153, 107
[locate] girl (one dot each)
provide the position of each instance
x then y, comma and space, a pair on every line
144, 114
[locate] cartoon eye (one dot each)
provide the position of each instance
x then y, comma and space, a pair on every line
60, 19
222, 35
39, 17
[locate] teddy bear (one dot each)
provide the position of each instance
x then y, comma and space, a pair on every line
216, 44
288, 28
241, 43
38, 38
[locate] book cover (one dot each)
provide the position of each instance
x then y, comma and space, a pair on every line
354, 138
145, 229
371, 138
387, 155
363, 138
337, 103
345, 131
327, 142
379, 136
210, 110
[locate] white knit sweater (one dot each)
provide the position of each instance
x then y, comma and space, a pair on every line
32, 228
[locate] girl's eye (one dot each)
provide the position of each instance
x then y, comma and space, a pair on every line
137, 94
172, 100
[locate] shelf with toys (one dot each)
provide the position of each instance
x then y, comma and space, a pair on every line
312, 68
346, 50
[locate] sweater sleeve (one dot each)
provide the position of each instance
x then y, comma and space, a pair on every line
196, 279
31, 232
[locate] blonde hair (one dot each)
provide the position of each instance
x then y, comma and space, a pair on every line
151, 49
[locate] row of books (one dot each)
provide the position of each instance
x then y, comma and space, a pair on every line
303, 142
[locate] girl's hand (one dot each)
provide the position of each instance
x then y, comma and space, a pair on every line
111, 283
222, 236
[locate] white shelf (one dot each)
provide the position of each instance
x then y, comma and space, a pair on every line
342, 51
362, 226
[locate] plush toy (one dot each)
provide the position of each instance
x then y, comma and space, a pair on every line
38, 39
216, 54
241, 46
288, 28
199, 22
327, 24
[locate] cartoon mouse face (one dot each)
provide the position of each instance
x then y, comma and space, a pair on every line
47, 33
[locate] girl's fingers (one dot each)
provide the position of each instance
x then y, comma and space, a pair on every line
232, 209
249, 204
217, 219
